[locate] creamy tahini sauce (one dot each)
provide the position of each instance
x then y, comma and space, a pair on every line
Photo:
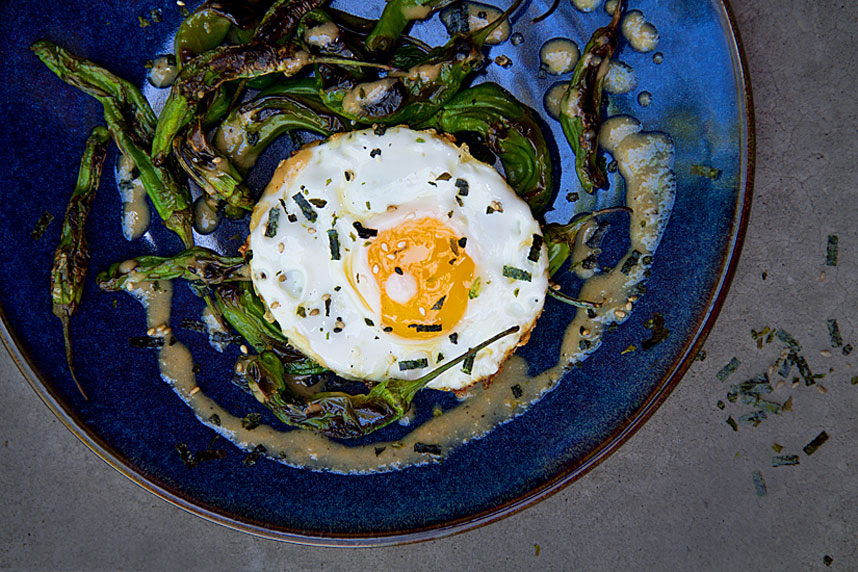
206, 219
621, 78
163, 72
641, 34
552, 98
135, 210
586, 5
481, 15
558, 56
645, 160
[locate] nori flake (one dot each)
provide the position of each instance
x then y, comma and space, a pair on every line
468, 364
516, 391
379, 450
305, 207
427, 448
536, 248
784, 460
728, 369
834, 333
516, 273
145, 342
759, 483
790, 341
273, 222
334, 240
817, 442
364, 232
413, 364
440, 303
254, 456
832, 250
41, 226
659, 332
421, 328
463, 187
754, 418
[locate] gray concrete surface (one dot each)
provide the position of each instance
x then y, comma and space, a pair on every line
680, 493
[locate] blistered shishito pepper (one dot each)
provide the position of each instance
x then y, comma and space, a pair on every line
336, 414
72, 255
581, 106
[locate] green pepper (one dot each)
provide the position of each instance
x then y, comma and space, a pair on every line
395, 17
560, 238
130, 121
336, 414
72, 255
581, 106
510, 130
197, 264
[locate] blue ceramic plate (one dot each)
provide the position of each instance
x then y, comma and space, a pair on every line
700, 96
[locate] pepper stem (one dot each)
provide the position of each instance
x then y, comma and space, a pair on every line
67, 340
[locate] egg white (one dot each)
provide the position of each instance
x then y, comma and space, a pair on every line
330, 309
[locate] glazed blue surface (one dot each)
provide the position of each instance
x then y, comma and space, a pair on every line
137, 418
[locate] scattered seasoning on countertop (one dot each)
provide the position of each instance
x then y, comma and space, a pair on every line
728, 369
759, 483
732, 423
832, 250
827, 560
785, 460
817, 442
834, 333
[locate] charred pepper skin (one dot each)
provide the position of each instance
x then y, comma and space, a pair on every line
581, 107
72, 255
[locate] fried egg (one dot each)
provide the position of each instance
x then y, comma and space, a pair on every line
381, 254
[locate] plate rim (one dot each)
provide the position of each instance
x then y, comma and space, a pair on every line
112, 458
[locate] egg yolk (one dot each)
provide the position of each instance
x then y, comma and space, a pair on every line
424, 276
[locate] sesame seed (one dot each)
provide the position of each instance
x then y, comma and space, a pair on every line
314, 312
620, 314
629, 306
275, 305
194, 391
281, 247
243, 349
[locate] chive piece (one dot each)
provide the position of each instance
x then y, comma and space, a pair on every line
379, 450
784, 460
145, 342
427, 448
440, 303
251, 421
629, 349
426, 327
728, 369
516, 273
420, 140
454, 339
334, 240
41, 226
273, 222
786, 338
536, 248
834, 333
630, 262
475, 288
732, 423
468, 365
759, 483
364, 232
659, 332
413, 364
516, 391
305, 207
463, 186
832, 250
787, 406
817, 442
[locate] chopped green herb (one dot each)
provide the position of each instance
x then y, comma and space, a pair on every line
659, 332
375, 153
572, 197
476, 286
145, 342
754, 386
803, 368
536, 248
305, 207
185, 454
834, 333
440, 303
334, 240
630, 262
728, 369
257, 453
732, 423
463, 187
629, 349
319, 203
427, 448
413, 364
420, 140
721, 405
786, 338
468, 365
832, 250
301, 311
784, 460
41, 226
787, 406
817, 442
701, 356
273, 222
706, 171
251, 421
786, 366
144, 23
516, 391
516, 273
759, 483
